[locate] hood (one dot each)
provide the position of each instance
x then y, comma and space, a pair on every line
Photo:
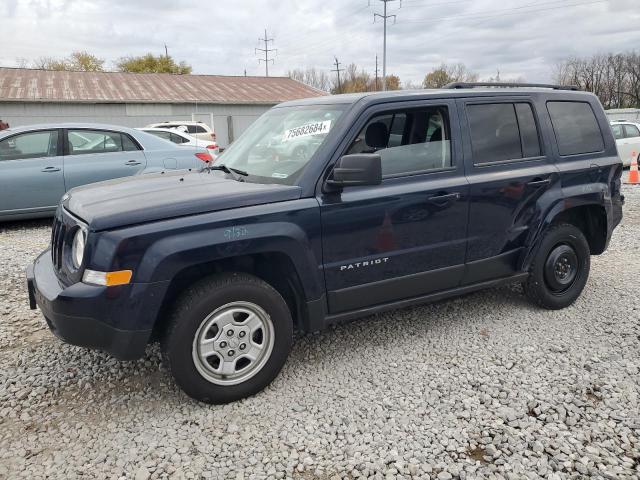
145, 198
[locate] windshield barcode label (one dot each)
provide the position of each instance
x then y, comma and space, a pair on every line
318, 128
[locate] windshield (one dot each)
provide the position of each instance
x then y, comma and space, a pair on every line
277, 147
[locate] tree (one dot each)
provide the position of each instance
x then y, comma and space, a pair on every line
313, 77
393, 82
150, 63
614, 78
80, 61
445, 74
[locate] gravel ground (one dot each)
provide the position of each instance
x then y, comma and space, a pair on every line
483, 386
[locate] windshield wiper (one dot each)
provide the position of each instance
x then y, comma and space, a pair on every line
236, 173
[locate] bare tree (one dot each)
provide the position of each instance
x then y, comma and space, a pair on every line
614, 78
313, 77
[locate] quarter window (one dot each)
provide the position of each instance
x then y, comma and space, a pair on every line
502, 131
83, 142
408, 141
631, 131
618, 133
30, 145
576, 128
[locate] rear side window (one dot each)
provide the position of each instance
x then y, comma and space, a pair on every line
503, 131
631, 131
128, 145
576, 128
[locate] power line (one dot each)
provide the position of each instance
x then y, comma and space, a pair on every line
384, 17
338, 70
266, 51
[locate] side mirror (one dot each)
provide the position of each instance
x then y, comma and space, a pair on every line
357, 169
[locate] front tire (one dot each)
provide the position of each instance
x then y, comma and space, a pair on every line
560, 268
227, 338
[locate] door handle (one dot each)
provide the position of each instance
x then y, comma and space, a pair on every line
132, 163
50, 169
539, 183
442, 199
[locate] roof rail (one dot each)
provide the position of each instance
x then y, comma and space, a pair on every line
457, 85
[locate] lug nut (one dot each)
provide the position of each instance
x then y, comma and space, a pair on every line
243, 346
229, 333
242, 334
223, 344
231, 352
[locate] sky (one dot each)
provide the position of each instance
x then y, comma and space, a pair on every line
518, 38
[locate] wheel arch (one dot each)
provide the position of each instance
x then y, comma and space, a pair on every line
273, 267
590, 218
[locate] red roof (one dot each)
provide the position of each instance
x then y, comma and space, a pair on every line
22, 84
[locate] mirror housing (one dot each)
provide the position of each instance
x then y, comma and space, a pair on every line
357, 169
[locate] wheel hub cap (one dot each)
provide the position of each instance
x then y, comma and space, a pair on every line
561, 268
233, 343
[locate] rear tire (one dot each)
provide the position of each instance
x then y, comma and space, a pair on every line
227, 338
560, 268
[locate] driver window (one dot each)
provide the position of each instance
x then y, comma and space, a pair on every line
408, 141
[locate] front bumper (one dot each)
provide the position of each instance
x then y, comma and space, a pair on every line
92, 316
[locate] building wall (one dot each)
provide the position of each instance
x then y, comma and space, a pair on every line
134, 115
628, 114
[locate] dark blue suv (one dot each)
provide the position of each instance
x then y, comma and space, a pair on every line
329, 209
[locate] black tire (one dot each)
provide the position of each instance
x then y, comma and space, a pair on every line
560, 268
188, 314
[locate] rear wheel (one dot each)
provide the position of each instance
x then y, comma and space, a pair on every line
227, 338
560, 268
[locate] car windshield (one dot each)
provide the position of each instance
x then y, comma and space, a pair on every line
277, 147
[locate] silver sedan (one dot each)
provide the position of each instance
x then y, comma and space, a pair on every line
39, 163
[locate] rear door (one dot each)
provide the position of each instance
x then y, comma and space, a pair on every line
93, 155
508, 171
31, 176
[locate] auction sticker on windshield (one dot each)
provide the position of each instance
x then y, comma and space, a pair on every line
317, 128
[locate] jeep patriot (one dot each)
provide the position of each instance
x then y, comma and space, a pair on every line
329, 209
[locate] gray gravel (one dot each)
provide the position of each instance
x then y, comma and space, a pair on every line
484, 386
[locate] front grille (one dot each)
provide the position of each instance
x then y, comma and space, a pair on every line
57, 241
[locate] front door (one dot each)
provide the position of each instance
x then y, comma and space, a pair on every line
508, 170
97, 155
31, 176
406, 237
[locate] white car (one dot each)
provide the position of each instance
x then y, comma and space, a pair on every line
183, 139
627, 136
199, 130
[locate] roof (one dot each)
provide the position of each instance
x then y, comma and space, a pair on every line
408, 95
23, 84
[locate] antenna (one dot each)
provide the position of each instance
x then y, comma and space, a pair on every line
266, 51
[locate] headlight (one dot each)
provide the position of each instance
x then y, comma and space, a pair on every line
77, 247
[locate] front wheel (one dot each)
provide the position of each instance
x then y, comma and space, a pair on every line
227, 338
560, 268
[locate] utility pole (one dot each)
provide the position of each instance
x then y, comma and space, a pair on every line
338, 70
376, 72
266, 51
384, 18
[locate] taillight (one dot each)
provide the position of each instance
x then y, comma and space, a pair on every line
204, 156
213, 146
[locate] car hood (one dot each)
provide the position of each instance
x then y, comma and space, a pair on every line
146, 198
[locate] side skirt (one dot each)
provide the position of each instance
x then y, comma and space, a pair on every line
432, 297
